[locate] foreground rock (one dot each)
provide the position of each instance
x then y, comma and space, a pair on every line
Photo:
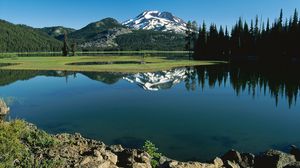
68, 150
168, 163
235, 159
296, 152
274, 158
3, 108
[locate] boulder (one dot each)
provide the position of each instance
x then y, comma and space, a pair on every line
296, 152
217, 163
108, 155
273, 158
133, 158
116, 148
244, 160
233, 156
293, 165
3, 108
247, 160
230, 164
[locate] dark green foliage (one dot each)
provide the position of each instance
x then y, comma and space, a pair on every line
276, 43
21, 38
65, 48
150, 148
191, 35
8, 77
16, 38
73, 49
137, 40
150, 40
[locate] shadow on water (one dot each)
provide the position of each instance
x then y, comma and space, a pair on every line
277, 81
130, 142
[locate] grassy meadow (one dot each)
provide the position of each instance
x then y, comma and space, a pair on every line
152, 63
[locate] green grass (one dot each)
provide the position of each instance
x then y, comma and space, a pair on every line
60, 63
87, 53
16, 137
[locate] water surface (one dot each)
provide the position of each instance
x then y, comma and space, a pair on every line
192, 113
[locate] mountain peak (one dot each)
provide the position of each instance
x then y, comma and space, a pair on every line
156, 20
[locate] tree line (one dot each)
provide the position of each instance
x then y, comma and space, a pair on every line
21, 38
278, 41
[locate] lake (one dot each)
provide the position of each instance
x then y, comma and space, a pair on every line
190, 113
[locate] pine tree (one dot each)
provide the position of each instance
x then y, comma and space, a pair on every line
188, 37
73, 49
65, 48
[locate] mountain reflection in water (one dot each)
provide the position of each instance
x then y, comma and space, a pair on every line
279, 82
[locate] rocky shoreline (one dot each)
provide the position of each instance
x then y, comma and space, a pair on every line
73, 150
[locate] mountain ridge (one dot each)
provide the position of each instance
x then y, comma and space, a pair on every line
158, 21
163, 31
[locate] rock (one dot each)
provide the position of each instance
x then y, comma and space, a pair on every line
273, 158
167, 163
116, 148
293, 165
230, 164
98, 155
247, 160
218, 162
141, 165
296, 152
176, 164
163, 160
133, 157
233, 156
104, 165
3, 108
244, 160
85, 161
108, 155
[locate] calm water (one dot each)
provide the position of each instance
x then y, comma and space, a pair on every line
193, 113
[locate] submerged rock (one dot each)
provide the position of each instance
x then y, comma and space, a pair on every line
273, 158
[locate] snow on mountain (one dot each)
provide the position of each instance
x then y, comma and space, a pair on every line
155, 20
154, 81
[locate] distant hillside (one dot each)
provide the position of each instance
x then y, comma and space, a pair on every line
151, 40
109, 34
106, 34
23, 38
95, 28
57, 31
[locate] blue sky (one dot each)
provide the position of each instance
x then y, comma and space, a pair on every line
78, 13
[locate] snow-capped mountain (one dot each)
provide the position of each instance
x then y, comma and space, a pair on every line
155, 20
154, 81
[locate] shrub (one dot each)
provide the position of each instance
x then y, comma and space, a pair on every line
150, 148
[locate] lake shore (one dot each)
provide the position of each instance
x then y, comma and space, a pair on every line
23, 144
